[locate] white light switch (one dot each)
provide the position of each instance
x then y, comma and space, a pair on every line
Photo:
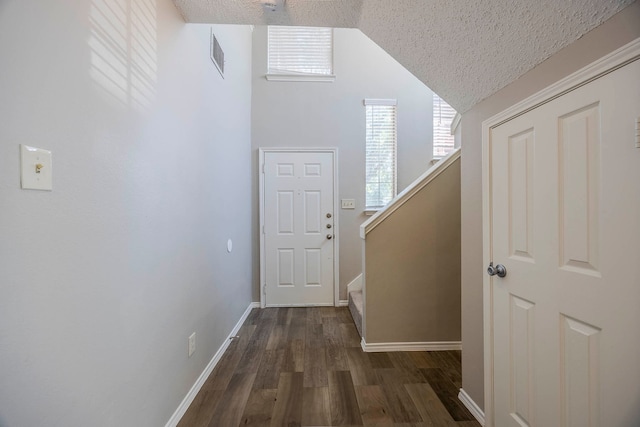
35, 168
348, 204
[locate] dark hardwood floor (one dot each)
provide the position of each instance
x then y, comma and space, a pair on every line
305, 367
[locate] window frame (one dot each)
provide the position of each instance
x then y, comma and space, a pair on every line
445, 127
294, 76
370, 210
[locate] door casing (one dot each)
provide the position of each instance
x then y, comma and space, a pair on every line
607, 64
336, 225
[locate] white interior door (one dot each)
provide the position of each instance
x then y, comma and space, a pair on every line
299, 228
564, 184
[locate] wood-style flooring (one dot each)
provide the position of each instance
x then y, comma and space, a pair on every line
305, 367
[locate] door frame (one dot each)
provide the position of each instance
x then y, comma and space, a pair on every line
605, 65
336, 226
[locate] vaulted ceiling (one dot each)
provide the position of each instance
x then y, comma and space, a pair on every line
464, 50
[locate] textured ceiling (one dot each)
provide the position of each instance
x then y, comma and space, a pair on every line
318, 13
464, 50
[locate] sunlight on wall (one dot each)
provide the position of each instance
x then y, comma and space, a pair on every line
124, 51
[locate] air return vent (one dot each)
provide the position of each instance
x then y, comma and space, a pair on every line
217, 55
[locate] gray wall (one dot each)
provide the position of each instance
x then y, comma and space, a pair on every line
103, 279
412, 273
305, 114
619, 30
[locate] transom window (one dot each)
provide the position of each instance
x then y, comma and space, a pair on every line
300, 51
381, 147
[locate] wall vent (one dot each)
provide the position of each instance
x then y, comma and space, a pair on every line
217, 55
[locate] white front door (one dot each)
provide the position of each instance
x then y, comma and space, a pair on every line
564, 181
299, 228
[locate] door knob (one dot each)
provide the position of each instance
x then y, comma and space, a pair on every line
329, 236
499, 270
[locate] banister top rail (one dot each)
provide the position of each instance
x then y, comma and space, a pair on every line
409, 192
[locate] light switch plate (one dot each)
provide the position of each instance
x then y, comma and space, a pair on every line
348, 204
35, 168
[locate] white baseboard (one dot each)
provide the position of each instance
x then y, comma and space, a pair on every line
472, 406
343, 303
355, 284
186, 402
411, 346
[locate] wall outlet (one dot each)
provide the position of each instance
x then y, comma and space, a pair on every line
192, 344
348, 204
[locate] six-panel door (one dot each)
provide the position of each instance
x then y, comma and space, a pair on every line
299, 228
565, 222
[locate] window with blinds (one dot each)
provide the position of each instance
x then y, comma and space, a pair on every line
380, 160
443, 115
300, 50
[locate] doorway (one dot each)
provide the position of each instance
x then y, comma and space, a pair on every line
298, 227
561, 182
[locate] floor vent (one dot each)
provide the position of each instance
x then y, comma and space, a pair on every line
217, 55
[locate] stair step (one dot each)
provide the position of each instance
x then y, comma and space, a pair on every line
356, 303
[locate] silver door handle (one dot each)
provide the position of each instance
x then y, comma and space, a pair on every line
499, 270
329, 236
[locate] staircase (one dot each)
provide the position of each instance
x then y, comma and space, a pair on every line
409, 293
355, 307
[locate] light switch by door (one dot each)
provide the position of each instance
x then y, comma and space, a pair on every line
348, 204
35, 168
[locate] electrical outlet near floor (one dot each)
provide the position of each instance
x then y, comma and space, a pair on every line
192, 344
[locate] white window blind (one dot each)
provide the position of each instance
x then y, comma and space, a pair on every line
380, 152
300, 50
443, 115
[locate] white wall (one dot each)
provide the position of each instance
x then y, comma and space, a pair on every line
305, 114
616, 32
103, 279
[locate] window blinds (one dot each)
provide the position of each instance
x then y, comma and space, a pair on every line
380, 152
443, 115
300, 50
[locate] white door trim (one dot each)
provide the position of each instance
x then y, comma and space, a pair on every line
336, 225
607, 64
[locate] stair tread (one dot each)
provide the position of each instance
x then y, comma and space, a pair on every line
356, 303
